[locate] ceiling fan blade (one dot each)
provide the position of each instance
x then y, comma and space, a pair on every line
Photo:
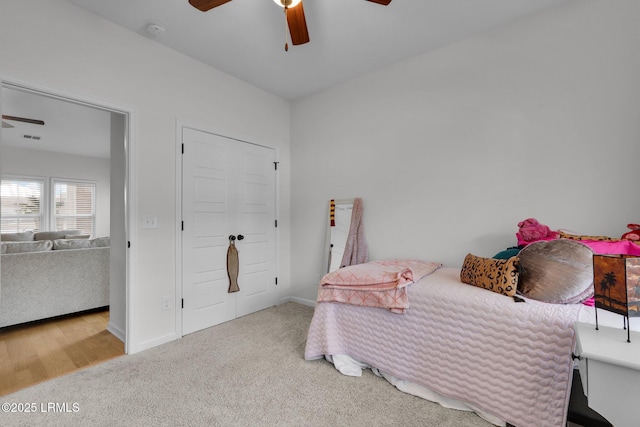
22, 119
382, 2
297, 25
7, 125
205, 5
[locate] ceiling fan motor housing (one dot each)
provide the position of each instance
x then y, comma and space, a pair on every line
287, 3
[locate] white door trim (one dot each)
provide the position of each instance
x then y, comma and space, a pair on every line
180, 126
131, 185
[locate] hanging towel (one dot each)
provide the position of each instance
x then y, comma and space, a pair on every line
356, 250
232, 267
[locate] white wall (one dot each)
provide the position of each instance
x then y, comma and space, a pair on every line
46, 164
450, 150
56, 45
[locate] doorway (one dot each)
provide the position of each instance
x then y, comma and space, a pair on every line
228, 200
28, 102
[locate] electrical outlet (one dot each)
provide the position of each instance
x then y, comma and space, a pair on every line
149, 221
165, 303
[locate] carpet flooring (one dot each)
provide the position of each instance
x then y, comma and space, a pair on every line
247, 372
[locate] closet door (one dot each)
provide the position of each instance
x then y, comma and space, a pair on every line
228, 190
255, 221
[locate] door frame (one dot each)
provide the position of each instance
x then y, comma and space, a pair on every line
130, 190
180, 125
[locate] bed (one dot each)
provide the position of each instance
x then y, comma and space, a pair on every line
463, 347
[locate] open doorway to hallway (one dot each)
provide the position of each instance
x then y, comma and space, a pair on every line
79, 142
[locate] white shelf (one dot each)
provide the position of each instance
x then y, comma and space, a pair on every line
609, 345
610, 371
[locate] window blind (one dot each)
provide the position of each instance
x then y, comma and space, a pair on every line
21, 205
74, 206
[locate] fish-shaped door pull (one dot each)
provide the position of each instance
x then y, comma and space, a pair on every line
233, 264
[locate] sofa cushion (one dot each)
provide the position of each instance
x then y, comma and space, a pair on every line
101, 242
77, 236
22, 247
64, 244
25, 236
53, 235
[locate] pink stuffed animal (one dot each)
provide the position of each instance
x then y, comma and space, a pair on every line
531, 230
634, 234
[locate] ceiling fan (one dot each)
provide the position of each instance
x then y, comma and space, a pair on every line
19, 119
293, 10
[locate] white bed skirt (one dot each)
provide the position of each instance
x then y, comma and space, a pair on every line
351, 367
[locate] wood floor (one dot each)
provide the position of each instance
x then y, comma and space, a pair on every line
41, 351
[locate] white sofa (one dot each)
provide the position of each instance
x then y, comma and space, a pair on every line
51, 275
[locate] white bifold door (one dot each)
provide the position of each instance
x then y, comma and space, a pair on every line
228, 189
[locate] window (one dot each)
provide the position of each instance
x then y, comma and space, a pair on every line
21, 202
74, 206
39, 204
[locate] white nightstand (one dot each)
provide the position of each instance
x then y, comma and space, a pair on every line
610, 372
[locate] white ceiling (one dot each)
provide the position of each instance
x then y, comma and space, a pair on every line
69, 128
245, 38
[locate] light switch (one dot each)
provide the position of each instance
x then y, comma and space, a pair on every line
149, 221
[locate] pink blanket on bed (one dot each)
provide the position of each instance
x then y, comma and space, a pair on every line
375, 284
512, 360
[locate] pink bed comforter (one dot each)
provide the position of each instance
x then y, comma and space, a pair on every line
375, 284
512, 360
618, 246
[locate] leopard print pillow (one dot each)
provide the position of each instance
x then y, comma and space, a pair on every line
497, 275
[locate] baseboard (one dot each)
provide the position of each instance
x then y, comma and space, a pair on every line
116, 331
145, 345
309, 303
